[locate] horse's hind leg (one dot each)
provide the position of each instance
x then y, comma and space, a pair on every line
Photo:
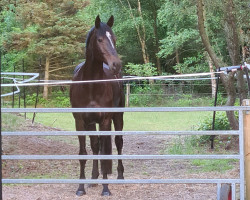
82, 151
118, 123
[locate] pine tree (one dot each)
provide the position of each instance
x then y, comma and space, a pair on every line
54, 30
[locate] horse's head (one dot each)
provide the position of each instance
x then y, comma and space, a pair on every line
101, 44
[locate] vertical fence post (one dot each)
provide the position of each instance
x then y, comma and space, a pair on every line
1, 137
246, 121
37, 89
13, 89
24, 94
127, 94
2, 99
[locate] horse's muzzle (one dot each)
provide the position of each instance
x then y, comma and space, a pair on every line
115, 67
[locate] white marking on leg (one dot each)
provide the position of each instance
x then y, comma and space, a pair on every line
109, 37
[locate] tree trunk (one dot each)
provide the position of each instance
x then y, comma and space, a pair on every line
46, 78
213, 81
177, 57
143, 38
227, 81
233, 45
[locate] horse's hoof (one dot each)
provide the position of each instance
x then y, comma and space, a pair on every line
80, 193
92, 185
108, 193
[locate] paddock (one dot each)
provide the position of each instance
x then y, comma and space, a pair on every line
232, 181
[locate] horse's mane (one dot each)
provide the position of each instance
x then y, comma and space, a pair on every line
88, 36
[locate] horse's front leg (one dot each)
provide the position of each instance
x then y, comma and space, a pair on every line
118, 124
94, 141
106, 149
82, 151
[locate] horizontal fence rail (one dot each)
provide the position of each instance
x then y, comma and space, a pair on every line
135, 109
82, 133
120, 181
116, 157
233, 182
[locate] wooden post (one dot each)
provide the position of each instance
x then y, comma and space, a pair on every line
46, 78
127, 94
246, 121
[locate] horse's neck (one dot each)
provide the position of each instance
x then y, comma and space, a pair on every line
93, 70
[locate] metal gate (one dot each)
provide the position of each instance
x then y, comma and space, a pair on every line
233, 182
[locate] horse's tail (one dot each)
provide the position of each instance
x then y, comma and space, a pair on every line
106, 149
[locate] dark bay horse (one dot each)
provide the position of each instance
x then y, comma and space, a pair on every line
102, 62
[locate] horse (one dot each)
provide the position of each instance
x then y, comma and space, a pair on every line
102, 62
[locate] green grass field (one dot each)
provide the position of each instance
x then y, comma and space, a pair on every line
132, 121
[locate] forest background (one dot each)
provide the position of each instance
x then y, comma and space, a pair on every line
154, 37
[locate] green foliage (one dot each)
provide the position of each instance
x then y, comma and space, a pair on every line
181, 36
191, 64
147, 69
221, 122
145, 95
57, 99
52, 28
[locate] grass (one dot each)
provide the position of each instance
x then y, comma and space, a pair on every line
11, 122
132, 121
190, 145
64, 121
214, 165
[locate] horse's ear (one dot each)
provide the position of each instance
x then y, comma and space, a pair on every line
110, 21
97, 21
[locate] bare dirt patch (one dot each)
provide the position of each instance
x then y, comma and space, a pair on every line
136, 169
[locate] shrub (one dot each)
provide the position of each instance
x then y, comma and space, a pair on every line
56, 99
147, 69
221, 122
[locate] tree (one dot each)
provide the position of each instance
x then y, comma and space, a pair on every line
180, 45
233, 48
49, 29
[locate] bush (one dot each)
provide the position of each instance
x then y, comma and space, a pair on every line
140, 69
221, 122
56, 99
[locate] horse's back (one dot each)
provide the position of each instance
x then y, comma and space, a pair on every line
78, 68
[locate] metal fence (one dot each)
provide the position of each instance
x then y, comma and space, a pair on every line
233, 182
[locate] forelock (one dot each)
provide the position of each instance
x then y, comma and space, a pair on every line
102, 26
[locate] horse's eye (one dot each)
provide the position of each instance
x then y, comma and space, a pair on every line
100, 40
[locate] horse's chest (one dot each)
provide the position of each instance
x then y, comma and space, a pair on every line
96, 95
